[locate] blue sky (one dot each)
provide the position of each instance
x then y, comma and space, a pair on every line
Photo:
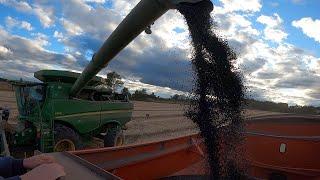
277, 44
293, 11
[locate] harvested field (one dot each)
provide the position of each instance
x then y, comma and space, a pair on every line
164, 121
4, 86
151, 121
156, 121
8, 99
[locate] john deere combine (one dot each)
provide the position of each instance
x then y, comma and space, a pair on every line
50, 119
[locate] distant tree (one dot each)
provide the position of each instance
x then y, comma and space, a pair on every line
140, 94
113, 80
144, 91
281, 107
175, 97
125, 91
178, 97
152, 95
304, 109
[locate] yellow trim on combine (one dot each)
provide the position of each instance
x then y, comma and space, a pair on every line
94, 113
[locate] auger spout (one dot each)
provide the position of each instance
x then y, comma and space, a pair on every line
138, 20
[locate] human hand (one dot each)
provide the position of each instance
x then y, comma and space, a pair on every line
34, 161
51, 171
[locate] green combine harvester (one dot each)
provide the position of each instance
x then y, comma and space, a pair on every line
52, 120
67, 109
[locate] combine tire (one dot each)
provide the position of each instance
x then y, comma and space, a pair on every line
114, 137
66, 139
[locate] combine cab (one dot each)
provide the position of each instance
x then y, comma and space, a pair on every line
51, 120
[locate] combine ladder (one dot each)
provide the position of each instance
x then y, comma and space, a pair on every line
46, 133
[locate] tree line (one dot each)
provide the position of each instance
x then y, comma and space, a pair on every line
114, 82
142, 95
281, 107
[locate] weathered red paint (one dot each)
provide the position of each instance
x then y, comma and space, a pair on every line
185, 156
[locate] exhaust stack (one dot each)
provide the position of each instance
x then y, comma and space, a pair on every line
139, 19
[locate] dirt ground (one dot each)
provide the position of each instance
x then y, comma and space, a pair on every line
164, 121
151, 121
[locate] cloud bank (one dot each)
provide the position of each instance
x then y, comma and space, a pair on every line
273, 69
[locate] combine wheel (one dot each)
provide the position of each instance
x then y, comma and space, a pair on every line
66, 139
114, 136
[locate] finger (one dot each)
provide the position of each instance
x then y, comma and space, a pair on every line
52, 159
57, 165
47, 159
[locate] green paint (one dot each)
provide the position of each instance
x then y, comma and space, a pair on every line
43, 104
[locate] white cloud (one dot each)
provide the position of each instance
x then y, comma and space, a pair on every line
95, 1
58, 35
22, 6
23, 56
276, 35
297, 1
80, 17
273, 30
241, 5
272, 21
158, 90
234, 25
164, 30
41, 40
287, 74
44, 13
71, 28
26, 25
12, 22
123, 6
19, 5
274, 4
4, 50
309, 27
